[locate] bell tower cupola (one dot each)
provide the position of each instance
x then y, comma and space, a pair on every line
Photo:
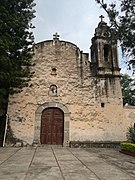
104, 55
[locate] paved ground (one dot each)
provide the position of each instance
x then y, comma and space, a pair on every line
57, 163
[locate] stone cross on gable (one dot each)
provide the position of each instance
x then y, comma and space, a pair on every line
102, 17
56, 36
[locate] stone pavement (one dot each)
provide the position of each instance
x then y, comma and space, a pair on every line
57, 163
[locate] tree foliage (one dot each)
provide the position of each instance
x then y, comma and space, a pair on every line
128, 90
123, 23
16, 43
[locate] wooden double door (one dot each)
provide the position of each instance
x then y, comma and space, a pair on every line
52, 126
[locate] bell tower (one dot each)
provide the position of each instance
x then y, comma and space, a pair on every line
104, 56
104, 65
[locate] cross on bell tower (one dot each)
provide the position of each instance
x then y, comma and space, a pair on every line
101, 17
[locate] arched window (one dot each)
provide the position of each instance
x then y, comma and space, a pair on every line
107, 50
53, 71
53, 90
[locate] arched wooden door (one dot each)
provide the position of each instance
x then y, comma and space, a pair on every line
52, 126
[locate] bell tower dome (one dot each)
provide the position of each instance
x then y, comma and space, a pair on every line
104, 56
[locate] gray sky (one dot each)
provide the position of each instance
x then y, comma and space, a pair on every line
73, 20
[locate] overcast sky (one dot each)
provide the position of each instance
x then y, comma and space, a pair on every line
73, 20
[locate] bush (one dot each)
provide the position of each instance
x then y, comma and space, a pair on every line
131, 134
128, 146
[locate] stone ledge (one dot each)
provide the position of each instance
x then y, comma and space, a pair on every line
99, 144
129, 107
127, 153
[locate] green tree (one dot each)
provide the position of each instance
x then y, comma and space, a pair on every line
122, 23
16, 42
128, 90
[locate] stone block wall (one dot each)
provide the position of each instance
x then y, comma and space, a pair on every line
95, 114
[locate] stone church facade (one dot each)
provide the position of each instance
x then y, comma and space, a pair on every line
72, 96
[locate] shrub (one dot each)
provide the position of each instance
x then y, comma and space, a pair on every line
128, 146
131, 134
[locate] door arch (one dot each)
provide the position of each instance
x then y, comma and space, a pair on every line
52, 126
37, 124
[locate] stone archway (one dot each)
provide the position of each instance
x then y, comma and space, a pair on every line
38, 114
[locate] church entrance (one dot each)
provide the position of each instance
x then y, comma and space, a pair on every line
52, 126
